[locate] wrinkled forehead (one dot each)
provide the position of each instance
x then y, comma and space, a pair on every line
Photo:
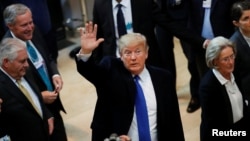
134, 45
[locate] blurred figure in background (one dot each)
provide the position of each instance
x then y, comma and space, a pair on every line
141, 17
178, 11
208, 18
240, 18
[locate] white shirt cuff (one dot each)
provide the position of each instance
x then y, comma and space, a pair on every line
83, 57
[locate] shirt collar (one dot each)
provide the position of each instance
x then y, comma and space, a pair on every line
222, 79
14, 80
245, 37
17, 38
125, 3
143, 74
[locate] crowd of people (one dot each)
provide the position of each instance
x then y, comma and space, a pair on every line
18, 19
124, 55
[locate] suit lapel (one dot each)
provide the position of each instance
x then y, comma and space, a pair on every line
155, 81
242, 43
15, 91
228, 103
213, 5
225, 97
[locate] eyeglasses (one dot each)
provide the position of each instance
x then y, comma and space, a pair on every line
229, 58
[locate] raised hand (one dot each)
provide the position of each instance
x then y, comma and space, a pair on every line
88, 38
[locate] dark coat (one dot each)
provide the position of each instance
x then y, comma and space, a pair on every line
216, 109
116, 99
51, 65
18, 118
242, 66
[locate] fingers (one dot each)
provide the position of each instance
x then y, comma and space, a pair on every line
100, 40
124, 138
90, 28
82, 30
49, 96
95, 29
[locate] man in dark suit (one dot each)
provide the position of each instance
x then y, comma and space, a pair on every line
208, 18
18, 19
19, 118
240, 17
178, 10
219, 18
116, 90
141, 16
42, 18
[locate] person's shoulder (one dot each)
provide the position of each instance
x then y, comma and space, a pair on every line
235, 36
7, 35
208, 77
111, 61
158, 70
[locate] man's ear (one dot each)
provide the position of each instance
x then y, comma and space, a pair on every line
10, 26
235, 23
5, 62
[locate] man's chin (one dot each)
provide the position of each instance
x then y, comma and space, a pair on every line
134, 70
23, 73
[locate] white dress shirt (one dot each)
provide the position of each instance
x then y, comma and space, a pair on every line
126, 9
234, 94
149, 94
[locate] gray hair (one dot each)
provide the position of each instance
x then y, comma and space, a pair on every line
215, 46
9, 48
129, 38
12, 11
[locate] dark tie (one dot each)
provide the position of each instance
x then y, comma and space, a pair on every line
120, 21
32, 52
141, 113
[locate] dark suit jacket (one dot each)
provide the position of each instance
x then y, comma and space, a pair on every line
18, 118
146, 15
174, 11
116, 99
242, 66
51, 65
216, 109
220, 17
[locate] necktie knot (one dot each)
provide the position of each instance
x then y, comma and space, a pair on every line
136, 78
119, 6
18, 82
